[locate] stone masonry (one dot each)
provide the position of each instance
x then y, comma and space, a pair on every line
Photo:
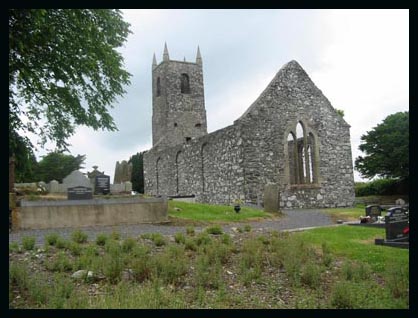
290, 136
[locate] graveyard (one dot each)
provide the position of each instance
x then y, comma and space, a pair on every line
246, 187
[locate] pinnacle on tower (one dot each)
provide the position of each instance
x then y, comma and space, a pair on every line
198, 56
165, 55
154, 61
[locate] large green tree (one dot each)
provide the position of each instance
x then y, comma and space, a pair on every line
57, 165
25, 160
64, 71
137, 179
387, 149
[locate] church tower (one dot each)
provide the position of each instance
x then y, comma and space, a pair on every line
178, 103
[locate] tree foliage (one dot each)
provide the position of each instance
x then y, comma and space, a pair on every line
340, 112
64, 70
387, 149
25, 160
137, 179
57, 165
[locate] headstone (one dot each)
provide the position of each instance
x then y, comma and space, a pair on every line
397, 221
79, 193
128, 186
271, 198
374, 211
53, 186
400, 202
93, 174
102, 184
75, 179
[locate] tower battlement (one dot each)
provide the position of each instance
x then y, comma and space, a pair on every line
178, 101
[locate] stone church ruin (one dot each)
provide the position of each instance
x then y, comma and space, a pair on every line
291, 136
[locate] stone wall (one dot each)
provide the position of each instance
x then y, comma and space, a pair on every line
238, 161
208, 167
106, 212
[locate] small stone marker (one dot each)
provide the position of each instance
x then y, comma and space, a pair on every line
396, 222
271, 198
373, 211
79, 193
400, 202
102, 184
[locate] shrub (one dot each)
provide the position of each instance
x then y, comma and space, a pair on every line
216, 253
202, 238
51, 238
208, 274
179, 238
158, 239
128, 245
341, 297
101, 239
247, 228
190, 245
61, 243
74, 248
171, 265
18, 275
142, 269
251, 262
79, 236
226, 239
376, 187
28, 243
115, 235
190, 231
326, 254
14, 247
112, 261
311, 275
60, 264
215, 230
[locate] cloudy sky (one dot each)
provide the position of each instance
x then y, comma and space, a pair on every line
358, 58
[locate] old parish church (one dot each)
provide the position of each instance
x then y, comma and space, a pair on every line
290, 136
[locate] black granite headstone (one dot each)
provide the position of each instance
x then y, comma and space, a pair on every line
102, 184
79, 193
373, 211
397, 221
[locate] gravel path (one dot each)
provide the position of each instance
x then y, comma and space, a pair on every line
292, 219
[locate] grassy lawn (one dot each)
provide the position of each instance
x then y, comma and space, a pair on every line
212, 213
346, 214
338, 267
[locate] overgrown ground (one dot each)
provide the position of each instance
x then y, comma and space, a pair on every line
338, 267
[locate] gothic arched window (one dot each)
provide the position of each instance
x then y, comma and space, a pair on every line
185, 84
301, 156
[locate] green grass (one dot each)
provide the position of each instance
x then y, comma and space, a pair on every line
356, 243
212, 213
338, 267
346, 214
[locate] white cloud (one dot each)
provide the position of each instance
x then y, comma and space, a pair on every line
365, 66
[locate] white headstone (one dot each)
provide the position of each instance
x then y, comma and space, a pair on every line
54, 186
128, 186
400, 202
